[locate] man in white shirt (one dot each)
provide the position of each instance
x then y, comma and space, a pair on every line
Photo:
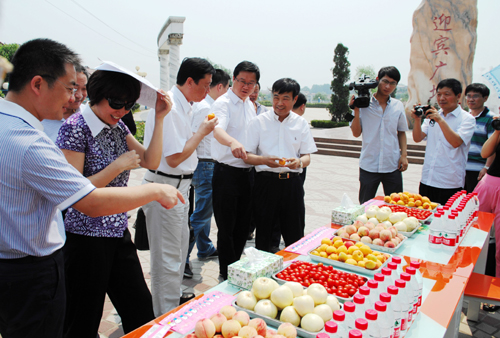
299, 107
232, 176
201, 218
168, 231
259, 109
51, 127
278, 142
383, 127
448, 133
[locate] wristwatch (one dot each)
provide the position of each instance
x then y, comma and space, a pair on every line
486, 167
301, 164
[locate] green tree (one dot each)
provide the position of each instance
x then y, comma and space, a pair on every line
219, 66
321, 96
8, 50
341, 74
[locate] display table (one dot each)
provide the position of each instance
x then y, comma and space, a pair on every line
445, 277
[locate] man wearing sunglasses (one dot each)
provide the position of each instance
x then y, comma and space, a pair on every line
233, 178
168, 231
383, 126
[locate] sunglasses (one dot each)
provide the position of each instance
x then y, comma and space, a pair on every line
119, 104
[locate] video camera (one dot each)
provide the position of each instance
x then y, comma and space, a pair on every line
363, 87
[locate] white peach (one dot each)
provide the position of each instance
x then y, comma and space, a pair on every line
204, 328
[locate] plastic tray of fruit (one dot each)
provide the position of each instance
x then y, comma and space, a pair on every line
421, 214
390, 248
411, 200
307, 273
276, 323
347, 266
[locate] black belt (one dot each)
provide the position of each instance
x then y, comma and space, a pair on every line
179, 177
206, 160
281, 176
29, 259
235, 168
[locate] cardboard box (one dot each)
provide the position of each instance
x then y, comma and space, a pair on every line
243, 272
343, 216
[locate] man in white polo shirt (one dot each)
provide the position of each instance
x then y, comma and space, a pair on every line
201, 219
232, 176
383, 128
448, 133
168, 231
278, 195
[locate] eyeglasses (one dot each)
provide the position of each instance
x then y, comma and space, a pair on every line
392, 84
249, 85
72, 90
119, 104
473, 97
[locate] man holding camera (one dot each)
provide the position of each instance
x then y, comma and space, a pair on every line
383, 125
448, 133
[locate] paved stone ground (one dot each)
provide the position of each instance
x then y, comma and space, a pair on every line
328, 178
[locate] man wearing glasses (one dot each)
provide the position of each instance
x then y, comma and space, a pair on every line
232, 176
383, 125
476, 95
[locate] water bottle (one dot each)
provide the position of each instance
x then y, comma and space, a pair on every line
350, 317
339, 318
365, 291
389, 278
362, 325
405, 296
397, 307
420, 280
435, 231
332, 329
374, 290
355, 334
385, 319
412, 285
449, 232
382, 283
397, 260
373, 327
359, 300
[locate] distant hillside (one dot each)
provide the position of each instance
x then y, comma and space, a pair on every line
318, 89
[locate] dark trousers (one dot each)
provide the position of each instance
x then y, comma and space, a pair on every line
471, 180
369, 182
96, 266
437, 195
278, 201
32, 298
231, 202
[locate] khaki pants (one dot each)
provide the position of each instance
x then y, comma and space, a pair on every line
168, 236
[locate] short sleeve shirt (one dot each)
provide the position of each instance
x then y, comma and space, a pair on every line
482, 132
200, 111
36, 182
380, 151
86, 133
234, 115
444, 165
267, 136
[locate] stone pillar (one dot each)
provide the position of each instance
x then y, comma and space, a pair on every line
164, 78
169, 40
443, 44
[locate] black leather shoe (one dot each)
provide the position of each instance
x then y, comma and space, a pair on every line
214, 255
188, 273
490, 308
186, 297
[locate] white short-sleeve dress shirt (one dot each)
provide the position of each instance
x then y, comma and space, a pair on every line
36, 182
234, 115
267, 136
200, 111
176, 132
380, 151
444, 166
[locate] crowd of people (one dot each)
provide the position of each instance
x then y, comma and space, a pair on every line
64, 238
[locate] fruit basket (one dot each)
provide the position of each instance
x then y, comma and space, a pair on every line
275, 322
307, 273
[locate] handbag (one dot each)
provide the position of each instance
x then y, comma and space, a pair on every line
141, 232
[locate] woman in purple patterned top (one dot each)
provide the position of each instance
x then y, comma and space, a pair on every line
100, 257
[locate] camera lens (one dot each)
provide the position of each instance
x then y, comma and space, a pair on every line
495, 124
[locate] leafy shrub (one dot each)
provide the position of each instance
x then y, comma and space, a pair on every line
139, 134
328, 124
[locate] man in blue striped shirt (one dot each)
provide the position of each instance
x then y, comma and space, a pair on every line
36, 182
476, 95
